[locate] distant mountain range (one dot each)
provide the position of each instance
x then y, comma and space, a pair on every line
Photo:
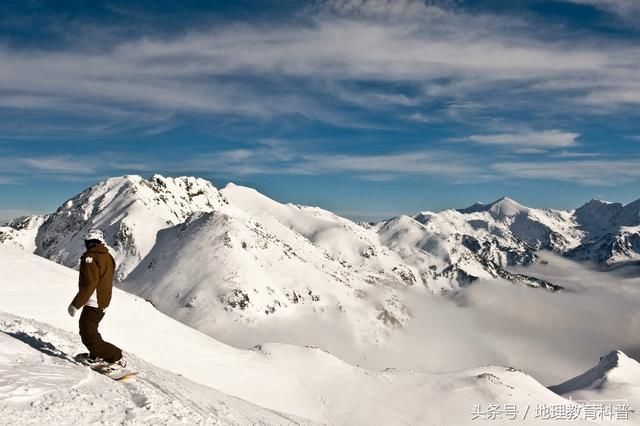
219, 259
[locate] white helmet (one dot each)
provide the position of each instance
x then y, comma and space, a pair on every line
94, 234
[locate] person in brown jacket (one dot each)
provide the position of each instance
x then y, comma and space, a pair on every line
97, 267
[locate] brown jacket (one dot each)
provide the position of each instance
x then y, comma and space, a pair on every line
96, 274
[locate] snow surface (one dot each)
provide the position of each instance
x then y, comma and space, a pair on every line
452, 249
40, 383
22, 232
258, 261
130, 211
303, 381
615, 375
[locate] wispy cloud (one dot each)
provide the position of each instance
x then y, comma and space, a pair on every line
625, 9
54, 167
575, 154
439, 164
278, 157
529, 142
585, 172
383, 64
5, 180
60, 164
214, 72
396, 9
421, 118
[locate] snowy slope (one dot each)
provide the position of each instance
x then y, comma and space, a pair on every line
337, 240
21, 232
615, 377
41, 384
596, 216
341, 238
629, 215
244, 268
452, 249
226, 273
304, 381
611, 248
130, 211
539, 228
10, 237
217, 265
612, 233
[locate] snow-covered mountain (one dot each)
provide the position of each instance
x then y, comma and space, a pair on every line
220, 260
257, 261
130, 211
453, 248
615, 378
22, 232
216, 264
539, 228
611, 233
40, 385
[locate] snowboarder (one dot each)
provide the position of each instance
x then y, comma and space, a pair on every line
97, 267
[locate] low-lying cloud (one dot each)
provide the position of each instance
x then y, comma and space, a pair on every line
551, 336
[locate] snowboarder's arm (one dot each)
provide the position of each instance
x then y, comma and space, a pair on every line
88, 281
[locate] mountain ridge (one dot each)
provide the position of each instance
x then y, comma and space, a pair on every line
221, 259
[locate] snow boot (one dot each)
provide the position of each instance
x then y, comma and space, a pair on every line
116, 366
86, 359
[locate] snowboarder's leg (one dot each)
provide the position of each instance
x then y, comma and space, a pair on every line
98, 348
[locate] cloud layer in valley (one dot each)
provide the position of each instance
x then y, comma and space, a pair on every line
553, 336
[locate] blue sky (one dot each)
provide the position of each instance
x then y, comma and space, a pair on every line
369, 108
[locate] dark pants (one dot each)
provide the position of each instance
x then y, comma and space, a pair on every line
98, 348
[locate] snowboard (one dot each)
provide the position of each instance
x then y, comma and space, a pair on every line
103, 368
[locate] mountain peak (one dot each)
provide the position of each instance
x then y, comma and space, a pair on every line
596, 203
613, 359
504, 198
130, 210
502, 207
615, 367
505, 201
597, 214
629, 215
475, 207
